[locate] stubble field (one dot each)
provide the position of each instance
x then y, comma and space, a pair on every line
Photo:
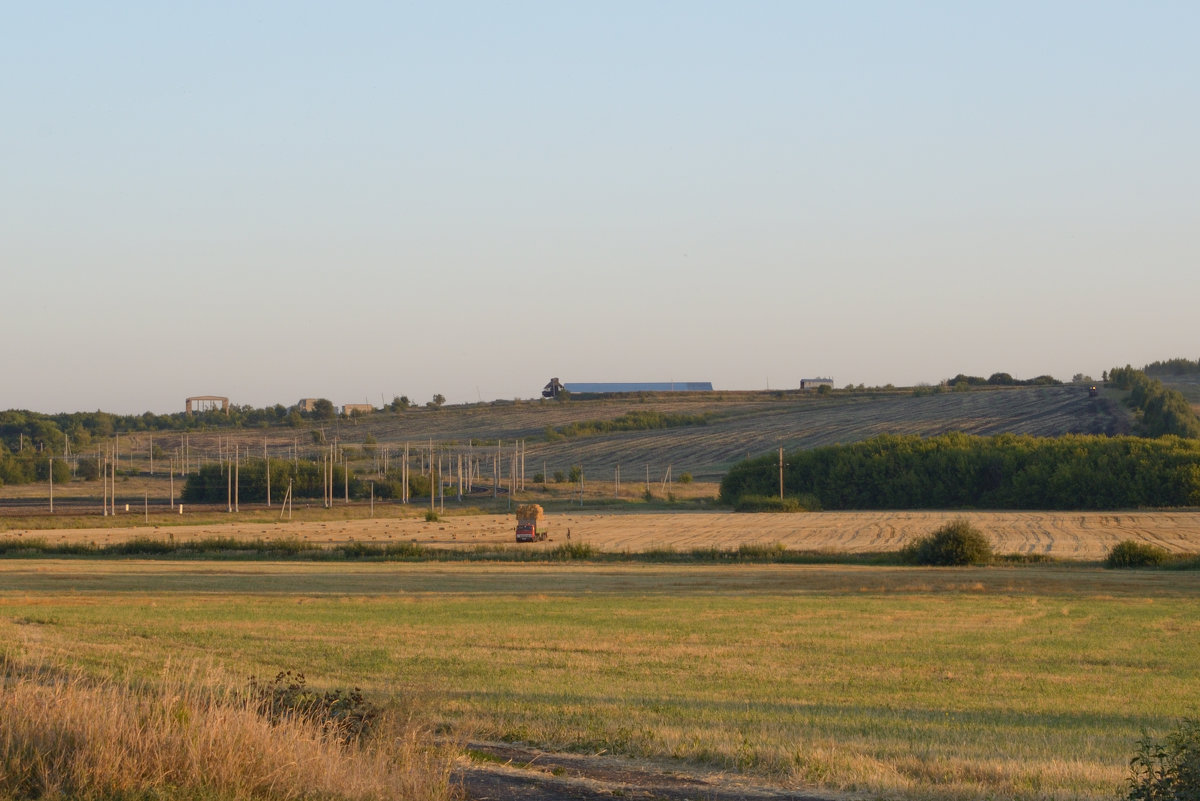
1086, 536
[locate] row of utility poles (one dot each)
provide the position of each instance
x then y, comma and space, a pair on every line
466, 469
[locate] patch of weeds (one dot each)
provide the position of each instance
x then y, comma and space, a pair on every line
1167, 770
346, 714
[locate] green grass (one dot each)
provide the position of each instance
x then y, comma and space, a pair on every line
1014, 682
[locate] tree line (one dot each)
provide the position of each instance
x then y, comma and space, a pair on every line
21, 429
1173, 367
212, 482
1160, 411
955, 471
1002, 380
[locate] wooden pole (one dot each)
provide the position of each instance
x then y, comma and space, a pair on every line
781, 473
51, 485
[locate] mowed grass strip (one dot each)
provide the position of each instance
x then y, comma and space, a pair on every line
1025, 683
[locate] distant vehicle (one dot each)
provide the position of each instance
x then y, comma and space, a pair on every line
531, 523
1093, 392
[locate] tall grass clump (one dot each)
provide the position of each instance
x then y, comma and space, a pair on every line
63, 735
570, 551
1131, 553
956, 543
806, 502
1167, 770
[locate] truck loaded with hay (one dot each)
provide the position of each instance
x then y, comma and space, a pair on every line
531, 523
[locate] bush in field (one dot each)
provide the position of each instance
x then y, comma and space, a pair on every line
88, 469
1167, 770
344, 714
1130, 553
956, 543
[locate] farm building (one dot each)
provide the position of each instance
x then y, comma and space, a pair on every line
648, 386
813, 383
357, 408
307, 404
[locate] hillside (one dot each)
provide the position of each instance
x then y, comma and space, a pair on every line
719, 430
738, 424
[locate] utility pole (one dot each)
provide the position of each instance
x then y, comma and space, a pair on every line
781, 473
51, 485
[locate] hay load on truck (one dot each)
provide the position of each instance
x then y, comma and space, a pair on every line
531, 523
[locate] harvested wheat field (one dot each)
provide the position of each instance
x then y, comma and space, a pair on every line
1066, 535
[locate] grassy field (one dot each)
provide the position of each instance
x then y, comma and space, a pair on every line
1010, 682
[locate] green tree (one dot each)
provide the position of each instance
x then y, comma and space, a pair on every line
323, 409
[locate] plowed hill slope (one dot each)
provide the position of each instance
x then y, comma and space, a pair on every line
741, 424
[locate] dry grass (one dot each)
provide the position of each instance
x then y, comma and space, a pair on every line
188, 736
1065, 535
1027, 682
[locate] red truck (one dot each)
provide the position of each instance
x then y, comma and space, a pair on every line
531, 523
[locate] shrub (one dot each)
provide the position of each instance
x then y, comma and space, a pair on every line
346, 715
685, 478
1168, 770
1130, 553
572, 550
431, 516
773, 503
956, 543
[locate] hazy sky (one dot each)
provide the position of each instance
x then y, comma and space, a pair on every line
272, 201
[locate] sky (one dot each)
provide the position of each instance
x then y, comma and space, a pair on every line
277, 200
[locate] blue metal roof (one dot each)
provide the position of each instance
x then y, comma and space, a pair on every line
647, 386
